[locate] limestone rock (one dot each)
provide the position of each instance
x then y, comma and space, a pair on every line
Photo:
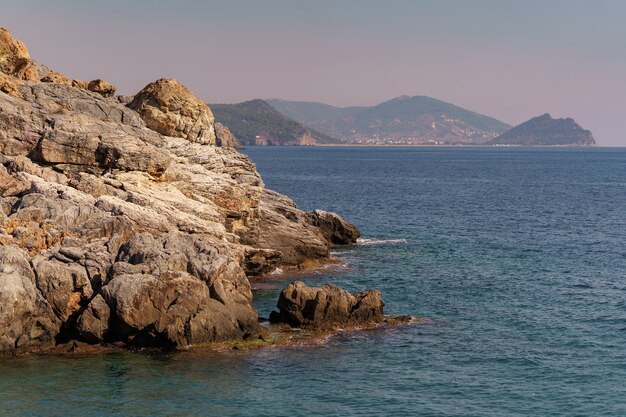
26, 319
10, 85
101, 87
31, 74
159, 311
112, 231
171, 109
303, 306
80, 84
93, 324
39, 69
225, 138
335, 229
65, 286
57, 78
14, 57
11, 185
282, 227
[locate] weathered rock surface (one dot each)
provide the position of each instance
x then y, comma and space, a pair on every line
101, 87
335, 229
328, 306
111, 231
14, 57
26, 318
171, 109
57, 78
225, 138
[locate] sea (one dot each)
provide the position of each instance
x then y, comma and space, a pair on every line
512, 261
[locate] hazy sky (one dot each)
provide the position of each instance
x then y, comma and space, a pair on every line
508, 59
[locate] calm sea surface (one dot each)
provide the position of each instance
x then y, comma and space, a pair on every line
517, 258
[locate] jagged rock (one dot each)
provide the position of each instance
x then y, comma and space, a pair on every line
260, 262
171, 109
26, 319
282, 227
65, 286
125, 99
93, 324
31, 74
80, 84
11, 185
39, 69
334, 228
303, 306
10, 85
225, 138
134, 236
101, 87
57, 78
159, 311
14, 57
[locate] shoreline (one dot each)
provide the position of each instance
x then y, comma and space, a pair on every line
417, 145
270, 336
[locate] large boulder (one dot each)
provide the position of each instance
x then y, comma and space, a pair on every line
172, 109
14, 57
326, 307
93, 324
101, 87
66, 286
56, 78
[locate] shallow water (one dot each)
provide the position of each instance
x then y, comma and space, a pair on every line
517, 257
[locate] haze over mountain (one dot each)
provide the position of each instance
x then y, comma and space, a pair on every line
544, 130
402, 120
255, 122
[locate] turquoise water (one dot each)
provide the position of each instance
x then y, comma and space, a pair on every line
517, 258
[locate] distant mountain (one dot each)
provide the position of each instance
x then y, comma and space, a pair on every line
410, 120
255, 122
544, 130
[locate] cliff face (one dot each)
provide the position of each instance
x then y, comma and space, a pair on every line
544, 130
126, 223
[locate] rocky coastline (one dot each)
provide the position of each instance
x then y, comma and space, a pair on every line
134, 222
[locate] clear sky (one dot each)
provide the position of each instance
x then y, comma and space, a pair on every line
512, 60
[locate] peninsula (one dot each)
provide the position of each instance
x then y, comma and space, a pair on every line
133, 220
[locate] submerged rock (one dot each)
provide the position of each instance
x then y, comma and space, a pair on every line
328, 306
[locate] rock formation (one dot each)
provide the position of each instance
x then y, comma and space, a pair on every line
101, 87
172, 109
328, 306
14, 57
126, 224
225, 138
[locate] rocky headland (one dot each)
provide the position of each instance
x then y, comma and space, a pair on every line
134, 221
546, 131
